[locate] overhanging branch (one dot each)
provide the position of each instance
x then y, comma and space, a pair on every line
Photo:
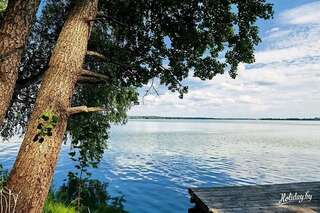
97, 55
89, 77
90, 80
79, 109
86, 74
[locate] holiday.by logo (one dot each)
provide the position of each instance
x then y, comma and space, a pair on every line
294, 197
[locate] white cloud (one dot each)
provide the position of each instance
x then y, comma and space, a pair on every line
284, 81
305, 14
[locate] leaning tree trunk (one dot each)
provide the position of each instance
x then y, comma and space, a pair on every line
34, 167
13, 33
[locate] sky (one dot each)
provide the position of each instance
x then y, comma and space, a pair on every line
283, 82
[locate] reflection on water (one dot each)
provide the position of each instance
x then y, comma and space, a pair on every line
152, 162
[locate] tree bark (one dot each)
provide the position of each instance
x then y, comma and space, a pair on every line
32, 173
13, 33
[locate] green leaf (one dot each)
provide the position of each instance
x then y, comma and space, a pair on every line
55, 119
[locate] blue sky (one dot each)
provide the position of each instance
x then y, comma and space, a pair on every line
283, 82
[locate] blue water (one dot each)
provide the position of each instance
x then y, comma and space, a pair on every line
153, 162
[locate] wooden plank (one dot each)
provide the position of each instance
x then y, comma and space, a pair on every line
272, 209
248, 187
258, 198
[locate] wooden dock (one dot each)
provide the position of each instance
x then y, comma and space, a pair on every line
293, 197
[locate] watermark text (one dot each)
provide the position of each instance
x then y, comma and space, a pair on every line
286, 198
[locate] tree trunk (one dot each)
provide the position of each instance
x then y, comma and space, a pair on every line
34, 167
13, 33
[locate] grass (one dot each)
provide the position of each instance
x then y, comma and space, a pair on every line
52, 206
95, 197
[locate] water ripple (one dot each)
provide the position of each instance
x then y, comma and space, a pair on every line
152, 163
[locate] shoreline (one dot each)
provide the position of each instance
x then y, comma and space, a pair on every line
208, 118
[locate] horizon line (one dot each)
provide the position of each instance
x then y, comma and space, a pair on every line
220, 118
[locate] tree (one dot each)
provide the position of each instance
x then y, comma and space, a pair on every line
34, 63
89, 139
14, 31
133, 42
39, 150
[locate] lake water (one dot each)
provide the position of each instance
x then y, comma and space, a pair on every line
153, 162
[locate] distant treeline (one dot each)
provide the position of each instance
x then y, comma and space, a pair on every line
292, 119
208, 118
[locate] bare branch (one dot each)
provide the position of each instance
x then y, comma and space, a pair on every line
86, 74
155, 90
97, 55
149, 89
89, 80
79, 109
90, 77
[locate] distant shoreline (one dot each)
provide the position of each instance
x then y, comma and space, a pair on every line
208, 118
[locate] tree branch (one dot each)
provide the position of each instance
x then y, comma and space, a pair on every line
87, 74
102, 18
79, 109
163, 69
149, 90
89, 80
124, 67
97, 55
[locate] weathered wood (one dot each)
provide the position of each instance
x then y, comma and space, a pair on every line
258, 198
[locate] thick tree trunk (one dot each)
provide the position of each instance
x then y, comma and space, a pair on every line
34, 167
13, 34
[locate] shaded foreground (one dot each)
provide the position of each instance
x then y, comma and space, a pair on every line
76, 195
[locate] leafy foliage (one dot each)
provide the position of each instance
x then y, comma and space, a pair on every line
160, 39
142, 41
89, 139
48, 120
166, 39
3, 5
93, 194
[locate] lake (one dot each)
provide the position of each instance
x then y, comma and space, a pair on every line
153, 162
